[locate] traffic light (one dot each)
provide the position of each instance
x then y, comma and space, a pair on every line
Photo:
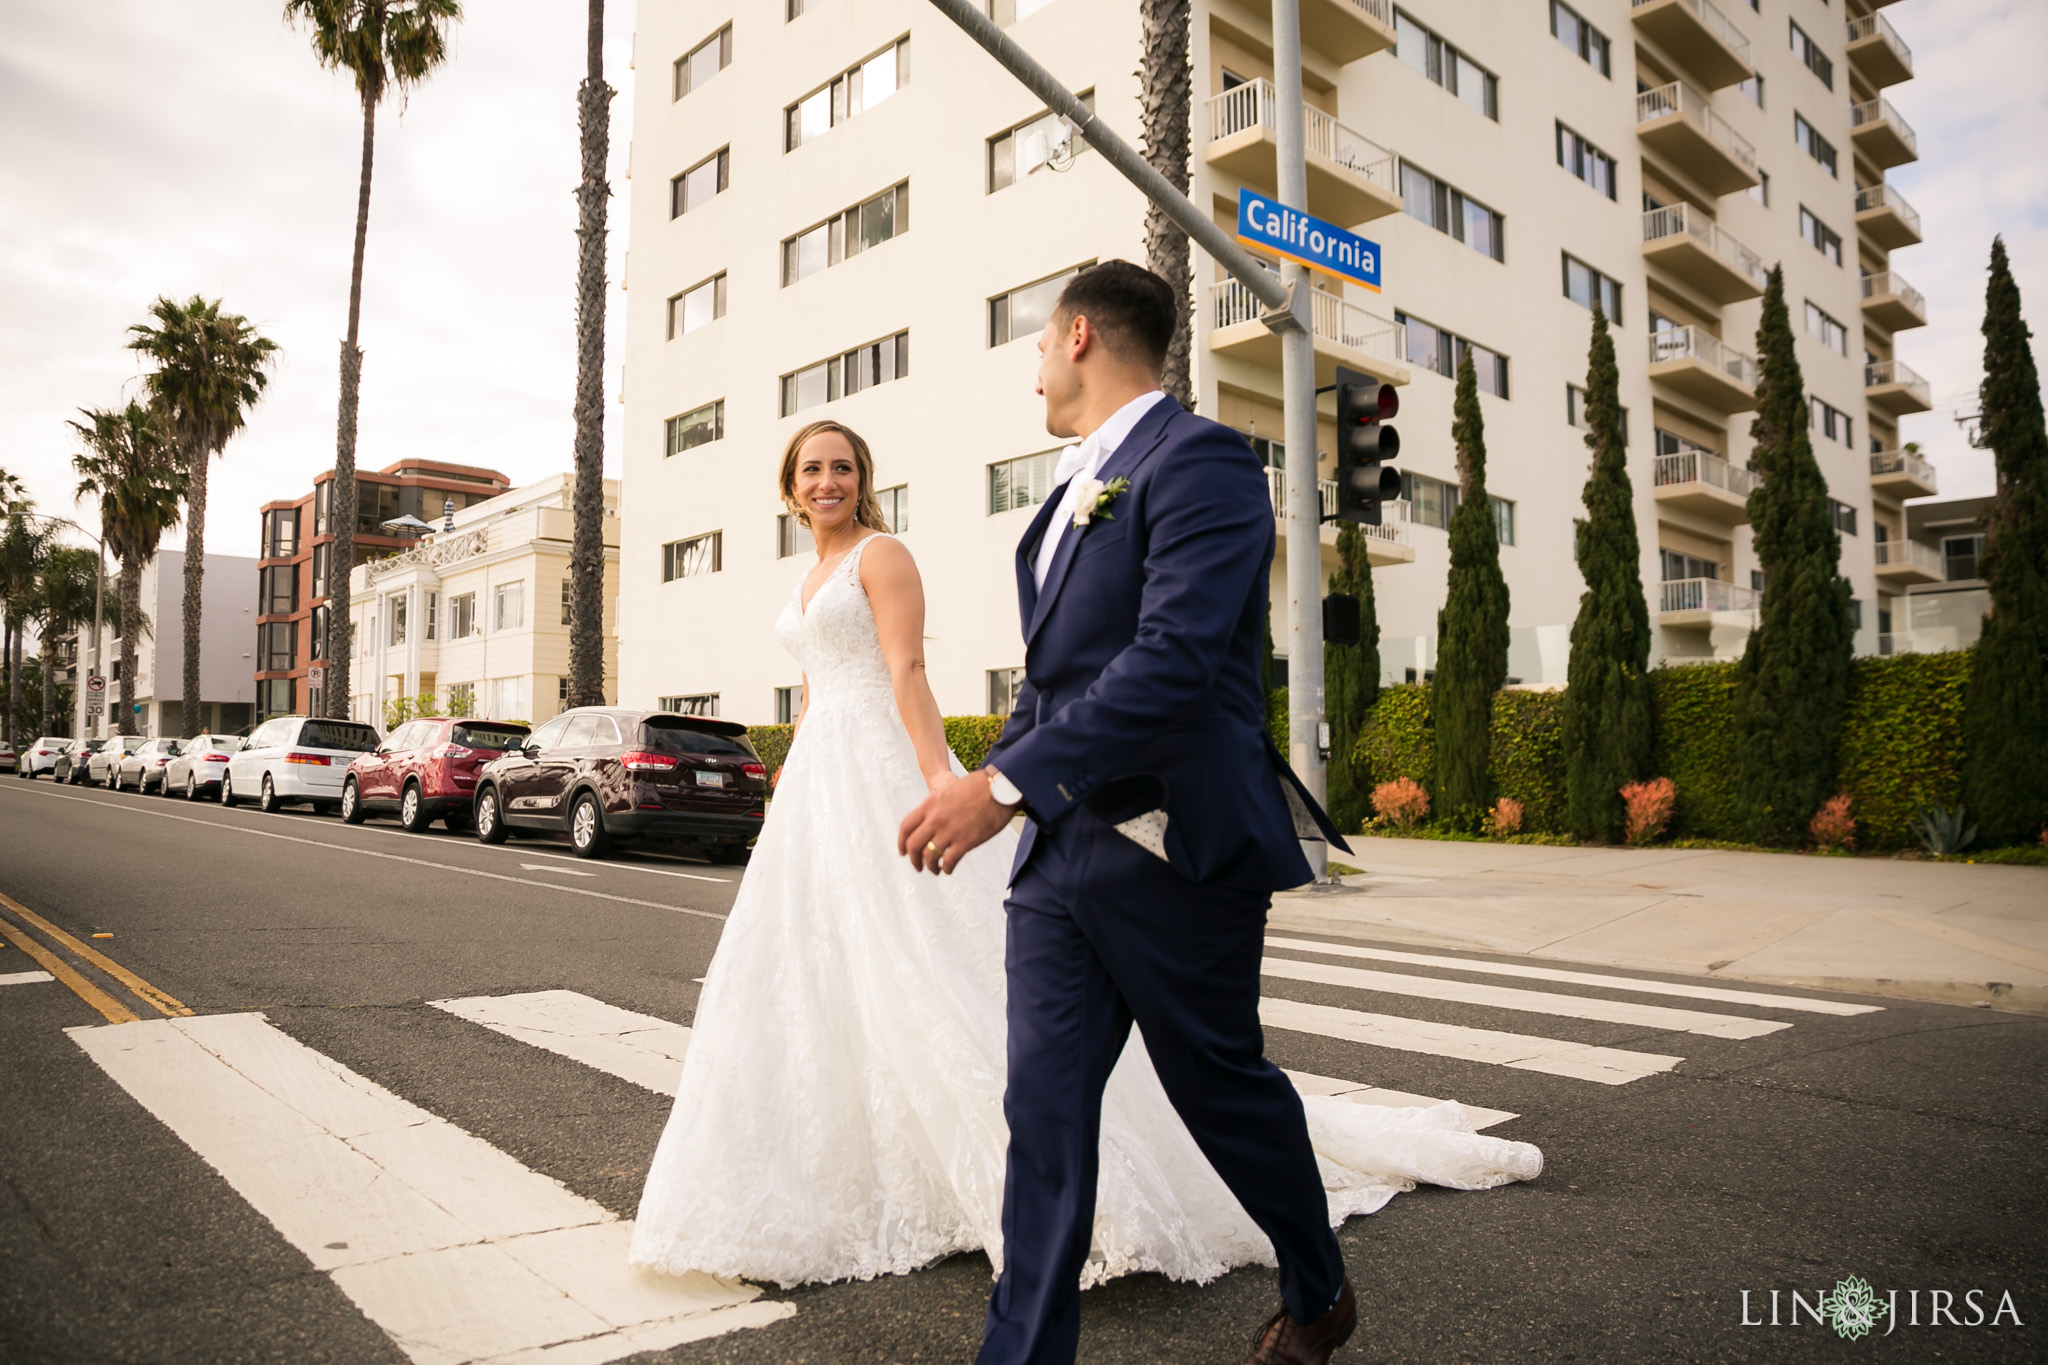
1364, 442
1343, 624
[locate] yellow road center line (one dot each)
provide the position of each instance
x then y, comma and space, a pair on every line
165, 1004
115, 1012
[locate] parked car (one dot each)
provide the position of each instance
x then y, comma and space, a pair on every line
144, 769
71, 762
604, 775
8, 758
42, 756
198, 768
426, 771
100, 767
295, 758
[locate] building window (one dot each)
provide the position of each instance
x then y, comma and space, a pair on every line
1023, 312
690, 558
316, 634
1017, 152
279, 646
1416, 46
1503, 519
792, 537
704, 61
1761, 190
1819, 235
1448, 210
322, 554
1586, 286
461, 699
1585, 161
462, 616
508, 699
697, 307
863, 367
843, 235
1005, 685
692, 704
1826, 330
561, 693
568, 587
1675, 566
1812, 143
323, 507
278, 586
1008, 12
1753, 90
861, 88
789, 704
702, 183
433, 604
699, 426
1960, 556
275, 696
1808, 51
376, 503
1842, 517
1832, 422
1433, 348
1023, 482
508, 610
1581, 37
895, 504
394, 615
282, 537
1575, 411
1432, 502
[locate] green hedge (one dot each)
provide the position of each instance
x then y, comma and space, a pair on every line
1695, 746
1399, 738
1902, 743
971, 737
772, 743
1527, 762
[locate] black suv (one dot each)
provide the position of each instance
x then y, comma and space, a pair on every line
603, 775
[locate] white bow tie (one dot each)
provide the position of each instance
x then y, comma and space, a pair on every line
1074, 459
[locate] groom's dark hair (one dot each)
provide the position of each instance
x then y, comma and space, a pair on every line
1130, 307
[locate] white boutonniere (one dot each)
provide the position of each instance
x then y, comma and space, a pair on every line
1095, 498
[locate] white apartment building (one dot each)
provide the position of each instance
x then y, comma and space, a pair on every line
844, 209
477, 617
227, 628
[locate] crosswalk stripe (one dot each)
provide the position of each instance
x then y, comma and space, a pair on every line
1805, 1003
25, 978
1359, 1093
457, 1251
1554, 1056
1513, 998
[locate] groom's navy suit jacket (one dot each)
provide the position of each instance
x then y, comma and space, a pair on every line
1142, 680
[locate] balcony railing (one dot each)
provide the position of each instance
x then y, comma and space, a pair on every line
1882, 282
1876, 26
1880, 372
1256, 104
1880, 111
1704, 594
1380, 12
1393, 527
1334, 319
1903, 462
1704, 466
1925, 558
1714, 22
1675, 220
1690, 343
1690, 105
1883, 197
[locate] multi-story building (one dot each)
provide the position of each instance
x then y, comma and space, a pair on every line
226, 609
293, 573
1518, 161
476, 616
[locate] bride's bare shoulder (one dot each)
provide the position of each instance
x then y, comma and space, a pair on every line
885, 556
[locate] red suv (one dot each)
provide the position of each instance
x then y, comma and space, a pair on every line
426, 771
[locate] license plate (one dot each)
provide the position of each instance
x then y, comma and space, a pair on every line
705, 779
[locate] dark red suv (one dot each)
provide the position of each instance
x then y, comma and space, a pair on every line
603, 774
426, 770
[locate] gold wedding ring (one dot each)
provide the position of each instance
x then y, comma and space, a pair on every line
934, 850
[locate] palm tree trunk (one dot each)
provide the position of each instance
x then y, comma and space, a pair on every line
197, 459
342, 557
586, 552
7, 653
1166, 83
131, 617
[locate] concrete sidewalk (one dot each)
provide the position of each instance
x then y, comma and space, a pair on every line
1959, 934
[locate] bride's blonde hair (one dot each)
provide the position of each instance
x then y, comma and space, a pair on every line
867, 509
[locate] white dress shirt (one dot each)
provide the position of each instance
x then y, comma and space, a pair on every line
1078, 462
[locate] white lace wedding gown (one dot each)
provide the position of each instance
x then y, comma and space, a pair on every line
840, 1109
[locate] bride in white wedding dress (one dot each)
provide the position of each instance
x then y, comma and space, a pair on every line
840, 1111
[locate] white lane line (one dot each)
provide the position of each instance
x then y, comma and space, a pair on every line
1534, 1002
1723, 994
457, 1251
523, 851
634, 1047
1360, 1093
558, 871
1553, 1056
25, 978
397, 858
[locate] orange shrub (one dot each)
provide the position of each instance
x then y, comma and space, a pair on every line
1505, 818
1649, 808
1401, 803
1832, 827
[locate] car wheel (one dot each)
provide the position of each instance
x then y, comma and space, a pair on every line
268, 802
490, 825
191, 786
352, 812
412, 810
586, 828
227, 790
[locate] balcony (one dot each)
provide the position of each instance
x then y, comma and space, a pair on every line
1876, 52
1350, 178
1885, 219
1696, 601
1693, 248
1345, 334
1343, 29
1891, 303
1881, 135
1701, 482
1385, 544
1703, 369
1890, 385
1902, 474
1676, 122
1907, 562
1697, 33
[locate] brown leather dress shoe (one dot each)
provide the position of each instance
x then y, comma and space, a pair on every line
1283, 1341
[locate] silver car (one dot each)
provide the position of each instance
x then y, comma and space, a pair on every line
197, 769
101, 767
144, 769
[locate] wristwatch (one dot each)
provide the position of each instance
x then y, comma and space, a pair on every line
1002, 788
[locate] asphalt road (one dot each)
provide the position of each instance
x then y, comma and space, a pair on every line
1904, 1145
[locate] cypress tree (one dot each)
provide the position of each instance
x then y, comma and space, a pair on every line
1793, 680
1608, 716
1472, 628
1351, 683
2005, 702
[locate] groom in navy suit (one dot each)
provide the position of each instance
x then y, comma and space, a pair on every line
1161, 821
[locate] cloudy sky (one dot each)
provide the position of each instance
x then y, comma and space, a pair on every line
179, 146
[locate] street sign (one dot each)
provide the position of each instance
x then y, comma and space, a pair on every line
93, 708
316, 676
95, 684
1266, 225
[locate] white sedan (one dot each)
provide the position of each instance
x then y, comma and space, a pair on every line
199, 766
144, 768
102, 766
41, 756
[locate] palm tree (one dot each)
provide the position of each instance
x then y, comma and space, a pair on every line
209, 372
385, 45
131, 466
64, 600
586, 547
23, 548
1166, 90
